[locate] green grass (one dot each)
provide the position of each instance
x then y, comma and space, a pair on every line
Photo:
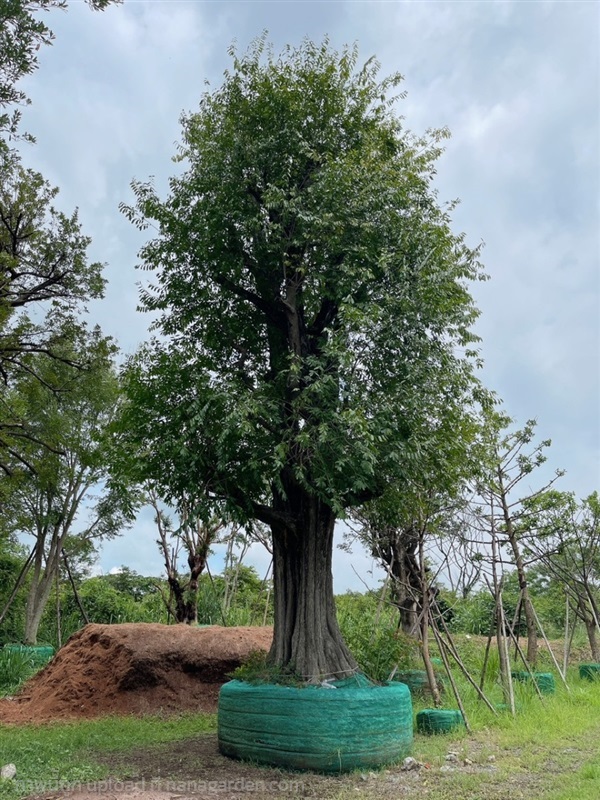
548, 751
15, 668
50, 756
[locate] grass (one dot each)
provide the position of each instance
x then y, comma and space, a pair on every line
49, 757
15, 668
549, 751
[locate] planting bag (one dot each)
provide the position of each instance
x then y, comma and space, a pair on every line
544, 680
38, 654
438, 720
354, 724
590, 671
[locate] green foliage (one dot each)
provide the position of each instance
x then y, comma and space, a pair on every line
311, 269
378, 646
15, 668
257, 669
43, 266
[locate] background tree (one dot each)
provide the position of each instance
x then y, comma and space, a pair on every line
420, 512
67, 460
511, 461
45, 281
315, 311
195, 537
564, 535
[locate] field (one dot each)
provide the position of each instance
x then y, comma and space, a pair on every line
548, 752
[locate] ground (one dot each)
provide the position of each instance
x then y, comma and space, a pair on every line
195, 769
135, 669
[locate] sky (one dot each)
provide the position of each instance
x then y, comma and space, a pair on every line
517, 84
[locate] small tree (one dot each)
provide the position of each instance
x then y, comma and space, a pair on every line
507, 519
564, 536
194, 537
315, 313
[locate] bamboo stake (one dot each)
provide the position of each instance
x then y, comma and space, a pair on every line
449, 645
455, 691
485, 661
519, 650
75, 592
566, 647
58, 624
562, 677
503, 642
19, 581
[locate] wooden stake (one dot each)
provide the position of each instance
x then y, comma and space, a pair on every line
455, 691
449, 645
562, 677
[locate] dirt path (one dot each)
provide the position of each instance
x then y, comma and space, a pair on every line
194, 769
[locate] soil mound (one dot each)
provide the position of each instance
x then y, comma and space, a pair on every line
135, 668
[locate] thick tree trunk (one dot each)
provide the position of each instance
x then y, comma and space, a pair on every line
306, 634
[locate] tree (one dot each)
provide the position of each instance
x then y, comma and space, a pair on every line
405, 520
195, 537
43, 268
315, 311
22, 34
67, 460
511, 461
564, 536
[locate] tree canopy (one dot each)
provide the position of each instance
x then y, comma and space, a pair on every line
312, 299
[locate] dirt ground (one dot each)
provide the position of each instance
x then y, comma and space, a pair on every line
150, 668
194, 769
134, 668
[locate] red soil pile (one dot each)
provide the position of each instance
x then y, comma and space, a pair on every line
135, 668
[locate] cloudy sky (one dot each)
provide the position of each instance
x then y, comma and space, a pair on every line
518, 85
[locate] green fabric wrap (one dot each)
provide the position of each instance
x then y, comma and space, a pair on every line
416, 680
544, 680
355, 725
590, 672
438, 720
38, 654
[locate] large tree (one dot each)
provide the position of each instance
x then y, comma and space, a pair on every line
45, 282
61, 491
315, 315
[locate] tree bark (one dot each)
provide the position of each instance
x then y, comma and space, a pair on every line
532, 644
398, 549
306, 634
591, 629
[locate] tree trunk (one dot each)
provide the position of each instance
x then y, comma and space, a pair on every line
37, 601
591, 629
397, 548
530, 623
306, 634
39, 591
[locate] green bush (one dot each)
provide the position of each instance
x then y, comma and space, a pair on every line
378, 646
